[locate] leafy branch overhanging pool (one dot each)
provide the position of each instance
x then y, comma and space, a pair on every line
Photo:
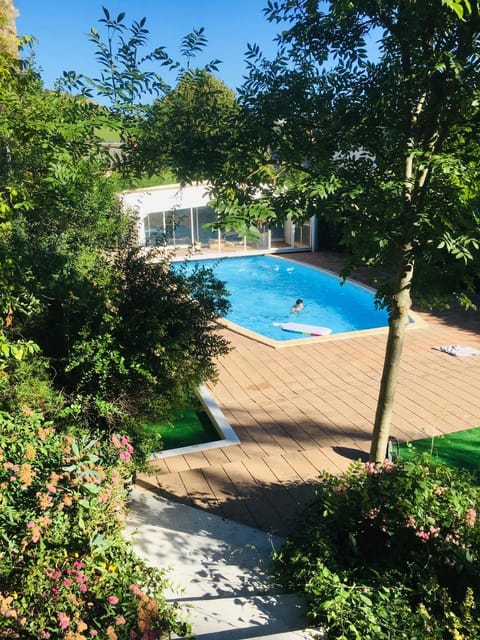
264, 288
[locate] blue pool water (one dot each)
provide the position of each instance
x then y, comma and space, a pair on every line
264, 288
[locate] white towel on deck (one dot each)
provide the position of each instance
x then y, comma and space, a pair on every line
457, 350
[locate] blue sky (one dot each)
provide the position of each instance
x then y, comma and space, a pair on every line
63, 45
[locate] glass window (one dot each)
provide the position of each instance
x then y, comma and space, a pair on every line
302, 235
181, 227
154, 229
204, 216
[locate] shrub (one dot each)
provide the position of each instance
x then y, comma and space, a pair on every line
153, 346
65, 569
389, 554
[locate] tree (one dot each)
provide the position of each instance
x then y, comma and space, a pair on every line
187, 130
102, 317
386, 144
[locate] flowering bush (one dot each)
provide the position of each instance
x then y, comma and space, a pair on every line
392, 553
65, 570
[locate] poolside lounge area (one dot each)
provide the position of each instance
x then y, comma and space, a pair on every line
308, 408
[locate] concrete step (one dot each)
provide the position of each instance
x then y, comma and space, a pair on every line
220, 570
237, 618
209, 556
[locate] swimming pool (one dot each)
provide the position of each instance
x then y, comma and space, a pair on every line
264, 288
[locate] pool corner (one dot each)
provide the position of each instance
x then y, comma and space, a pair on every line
227, 435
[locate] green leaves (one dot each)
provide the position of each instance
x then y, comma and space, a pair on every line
460, 247
127, 76
460, 7
388, 554
63, 553
17, 350
188, 130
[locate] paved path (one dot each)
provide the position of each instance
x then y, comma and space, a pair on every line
303, 409
221, 569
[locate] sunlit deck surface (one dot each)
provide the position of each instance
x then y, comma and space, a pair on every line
304, 409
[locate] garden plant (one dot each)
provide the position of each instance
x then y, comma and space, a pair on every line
389, 553
93, 335
66, 571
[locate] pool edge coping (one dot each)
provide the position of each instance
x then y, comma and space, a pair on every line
417, 323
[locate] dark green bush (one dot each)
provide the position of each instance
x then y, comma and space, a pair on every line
389, 554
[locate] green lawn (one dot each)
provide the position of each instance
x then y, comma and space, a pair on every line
159, 179
190, 427
460, 450
107, 134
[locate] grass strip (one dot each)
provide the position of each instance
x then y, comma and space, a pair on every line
189, 428
459, 450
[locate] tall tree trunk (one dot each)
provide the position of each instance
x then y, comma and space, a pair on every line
401, 304
8, 32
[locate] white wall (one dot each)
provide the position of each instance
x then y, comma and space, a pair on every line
165, 198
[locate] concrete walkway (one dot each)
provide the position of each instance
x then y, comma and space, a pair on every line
221, 570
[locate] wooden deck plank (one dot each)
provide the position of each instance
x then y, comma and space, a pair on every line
303, 409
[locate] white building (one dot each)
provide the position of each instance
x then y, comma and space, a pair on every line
180, 218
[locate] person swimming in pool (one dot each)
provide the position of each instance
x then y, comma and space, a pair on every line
298, 306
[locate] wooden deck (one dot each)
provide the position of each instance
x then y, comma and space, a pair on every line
303, 409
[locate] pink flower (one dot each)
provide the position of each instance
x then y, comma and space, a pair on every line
422, 534
63, 620
452, 539
67, 583
116, 442
30, 524
125, 456
113, 599
124, 440
83, 588
78, 565
471, 517
389, 466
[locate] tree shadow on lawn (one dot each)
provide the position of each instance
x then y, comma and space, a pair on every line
459, 450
